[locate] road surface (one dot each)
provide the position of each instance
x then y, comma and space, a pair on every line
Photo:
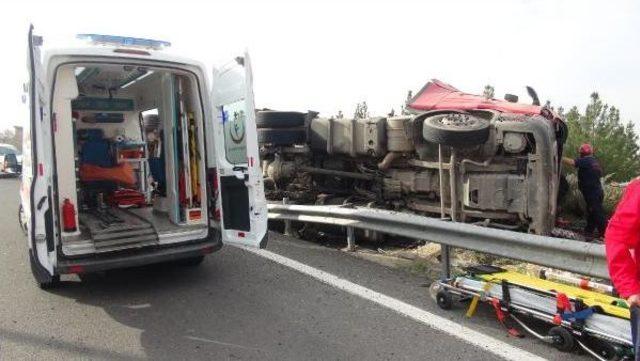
296, 301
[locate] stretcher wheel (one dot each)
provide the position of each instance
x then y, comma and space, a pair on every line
444, 300
604, 349
563, 340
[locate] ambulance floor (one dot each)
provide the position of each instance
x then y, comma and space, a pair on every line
161, 221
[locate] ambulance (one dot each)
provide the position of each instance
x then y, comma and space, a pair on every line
133, 156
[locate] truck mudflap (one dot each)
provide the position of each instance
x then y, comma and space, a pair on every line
578, 318
138, 257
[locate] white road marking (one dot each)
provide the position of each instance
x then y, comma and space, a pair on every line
466, 334
202, 339
138, 307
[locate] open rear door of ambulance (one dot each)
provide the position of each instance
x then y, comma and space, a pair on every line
37, 170
241, 199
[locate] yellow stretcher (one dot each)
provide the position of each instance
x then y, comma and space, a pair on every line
578, 317
610, 305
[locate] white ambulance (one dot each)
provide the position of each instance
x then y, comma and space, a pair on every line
133, 156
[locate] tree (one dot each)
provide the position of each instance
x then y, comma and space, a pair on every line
362, 111
489, 91
9, 136
403, 108
615, 143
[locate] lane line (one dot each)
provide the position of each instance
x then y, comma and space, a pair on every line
202, 339
466, 334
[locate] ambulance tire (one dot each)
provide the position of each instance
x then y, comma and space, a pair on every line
277, 119
190, 262
44, 280
444, 300
50, 284
563, 340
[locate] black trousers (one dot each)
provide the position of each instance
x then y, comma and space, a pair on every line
596, 219
635, 329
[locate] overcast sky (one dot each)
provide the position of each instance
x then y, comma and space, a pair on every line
329, 55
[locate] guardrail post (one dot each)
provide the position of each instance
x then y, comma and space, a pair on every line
288, 229
445, 251
351, 240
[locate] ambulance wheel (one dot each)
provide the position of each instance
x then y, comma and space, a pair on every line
444, 300
563, 340
43, 278
190, 262
53, 282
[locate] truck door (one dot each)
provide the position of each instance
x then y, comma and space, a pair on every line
38, 168
241, 199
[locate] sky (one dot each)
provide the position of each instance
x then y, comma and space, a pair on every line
329, 55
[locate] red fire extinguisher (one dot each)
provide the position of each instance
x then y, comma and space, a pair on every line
68, 216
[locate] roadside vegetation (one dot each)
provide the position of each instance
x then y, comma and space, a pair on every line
616, 146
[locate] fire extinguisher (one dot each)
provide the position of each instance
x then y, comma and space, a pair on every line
68, 216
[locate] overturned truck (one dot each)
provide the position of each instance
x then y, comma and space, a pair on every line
455, 156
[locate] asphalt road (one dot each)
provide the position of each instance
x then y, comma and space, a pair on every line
235, 306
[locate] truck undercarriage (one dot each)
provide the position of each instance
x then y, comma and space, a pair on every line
490, 165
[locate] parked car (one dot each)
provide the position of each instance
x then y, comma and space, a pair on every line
456, 155
10, 163
10, 159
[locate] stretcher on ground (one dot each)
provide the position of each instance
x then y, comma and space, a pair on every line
595, 322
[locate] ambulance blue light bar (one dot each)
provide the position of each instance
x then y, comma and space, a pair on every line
124, 41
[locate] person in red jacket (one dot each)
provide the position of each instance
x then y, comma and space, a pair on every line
622, 242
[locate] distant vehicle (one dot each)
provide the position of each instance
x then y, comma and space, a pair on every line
9, 163
455, 155
10, 159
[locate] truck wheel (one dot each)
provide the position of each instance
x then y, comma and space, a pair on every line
563, 340
444, 300
282, 136
455, 129
276, 119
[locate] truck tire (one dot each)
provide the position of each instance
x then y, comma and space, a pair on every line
276, 119
455, 129
282, 136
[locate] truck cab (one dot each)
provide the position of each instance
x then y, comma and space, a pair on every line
134, 156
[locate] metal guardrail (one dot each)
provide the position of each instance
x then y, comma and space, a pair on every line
574, 256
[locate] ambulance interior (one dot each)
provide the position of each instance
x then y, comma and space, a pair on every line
129, 148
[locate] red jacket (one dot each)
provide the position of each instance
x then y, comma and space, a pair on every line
622, 239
